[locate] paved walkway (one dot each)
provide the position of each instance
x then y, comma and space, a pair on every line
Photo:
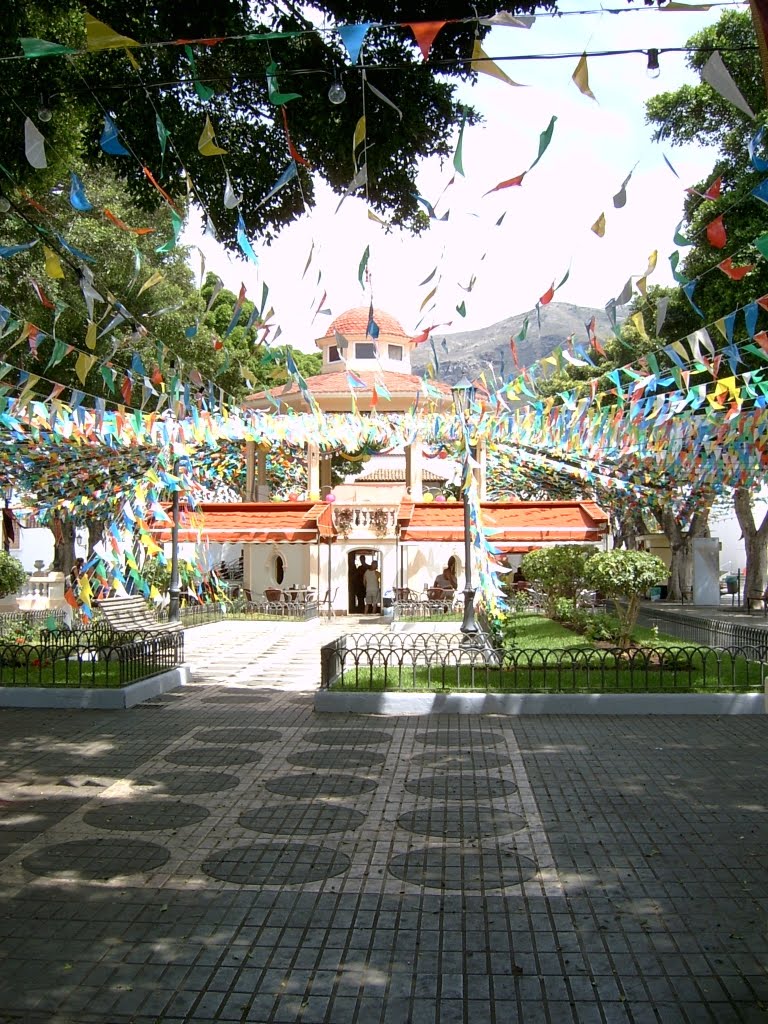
223, 853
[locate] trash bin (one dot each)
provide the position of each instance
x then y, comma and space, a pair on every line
731, 585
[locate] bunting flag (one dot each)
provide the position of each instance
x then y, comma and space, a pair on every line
99, 36
149, 176
34, 145
458, 163
77, 197
599, 226
177, 223
580, 78
42, 48
231, 199
277, 97
207, 142
620, 199
204, 92
53, 266
353, 37
735, 273
242, 241
110, 142
288, 174
424, 33
126, 227
716, 74
362, 268
380, 95
482, 63
716, 235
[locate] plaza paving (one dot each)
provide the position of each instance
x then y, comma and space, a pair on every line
223, 853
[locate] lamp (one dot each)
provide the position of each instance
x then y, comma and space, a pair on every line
337, 93
8, 530
463, 393
653, 70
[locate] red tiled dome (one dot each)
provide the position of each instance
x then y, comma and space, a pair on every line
355, 321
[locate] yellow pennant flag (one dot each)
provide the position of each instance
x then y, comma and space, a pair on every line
373, 216
100, 36
720, 325
599, 226
639, 323
651, 263
206, 143
53, 266
427, 298
642, 286
581, 78
83, 366
482, 63
156, 278
90, 335
28, 388
357, 138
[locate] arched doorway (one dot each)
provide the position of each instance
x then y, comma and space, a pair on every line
355, 570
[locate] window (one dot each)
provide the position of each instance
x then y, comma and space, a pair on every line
395, 351
279, 569
333, 354
365, 350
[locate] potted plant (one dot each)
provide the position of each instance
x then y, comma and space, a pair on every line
13, 575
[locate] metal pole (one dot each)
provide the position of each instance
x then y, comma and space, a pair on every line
330, 596
174, 587
468, 625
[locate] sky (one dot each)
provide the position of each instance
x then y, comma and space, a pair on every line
546, 231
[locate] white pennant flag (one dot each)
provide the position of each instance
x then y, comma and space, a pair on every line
34, 145
231, 199
716, 74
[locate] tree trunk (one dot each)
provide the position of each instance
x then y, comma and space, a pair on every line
95, 529
681, 549
63, 528
755, 542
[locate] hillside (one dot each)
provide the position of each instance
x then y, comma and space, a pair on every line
470, 352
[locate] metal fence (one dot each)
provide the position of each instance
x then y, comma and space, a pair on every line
200, 614
709, 632
91, 658
435, 662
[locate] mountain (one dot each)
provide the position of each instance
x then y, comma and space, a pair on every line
469, 352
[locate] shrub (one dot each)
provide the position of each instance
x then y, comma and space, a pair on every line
558, 571
625, 576
13, 575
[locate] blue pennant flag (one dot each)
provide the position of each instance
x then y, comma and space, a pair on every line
110, 143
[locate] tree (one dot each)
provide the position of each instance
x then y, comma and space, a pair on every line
624, 576
13, 575
238, 68
559, 571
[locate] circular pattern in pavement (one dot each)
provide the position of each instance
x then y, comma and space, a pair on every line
469, 821
459, 740
440, 867
348, 737
456, 760
450, 786
236, 735
336, 758
213, 756
276, 864
141, 815
310, 785
96, 858
187, 783
301, 819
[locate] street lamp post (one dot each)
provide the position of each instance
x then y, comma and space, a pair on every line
463, 392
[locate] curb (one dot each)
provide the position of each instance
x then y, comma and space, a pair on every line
391, 703
93, 699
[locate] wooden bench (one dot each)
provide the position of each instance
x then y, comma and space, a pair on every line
133, 615
759, 601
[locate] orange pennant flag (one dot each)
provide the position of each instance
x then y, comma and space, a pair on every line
735, 273
548, 295
424, 33
148, 174
126, 227
716, 235
506, 184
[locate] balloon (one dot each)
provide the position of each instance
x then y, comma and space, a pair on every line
439, 497
428, 498
451, 497
330, 498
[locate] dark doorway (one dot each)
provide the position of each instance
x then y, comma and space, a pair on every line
355, 570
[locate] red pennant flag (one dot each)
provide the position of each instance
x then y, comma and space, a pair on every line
716, 235
291, 148
41, 296
713, 192
762, 340
735, 273
513, 350
763, 302
126, 227
126, 390
424, 33
374, 399
507, 184
548, 295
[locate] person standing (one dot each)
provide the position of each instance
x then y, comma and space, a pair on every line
358, 585
372, 594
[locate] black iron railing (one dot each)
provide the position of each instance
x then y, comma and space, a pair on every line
434, 662
709, 632
93, 658
200, 614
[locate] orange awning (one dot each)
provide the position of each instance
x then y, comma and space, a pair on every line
292, 522
526, 524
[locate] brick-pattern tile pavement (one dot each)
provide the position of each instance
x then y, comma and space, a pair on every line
223, 853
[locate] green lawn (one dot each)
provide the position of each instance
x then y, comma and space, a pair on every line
548, 658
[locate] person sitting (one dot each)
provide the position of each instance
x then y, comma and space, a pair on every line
519, 580
443, 580
450, 573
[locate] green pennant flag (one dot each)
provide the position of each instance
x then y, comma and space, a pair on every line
457, 156
42, 48
761, 244
108, 376
177, 223
363, 265
544, 140
60, 349
203, 91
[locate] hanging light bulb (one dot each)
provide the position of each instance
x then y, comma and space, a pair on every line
4, 204
337, 93
653, 70
44, 111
